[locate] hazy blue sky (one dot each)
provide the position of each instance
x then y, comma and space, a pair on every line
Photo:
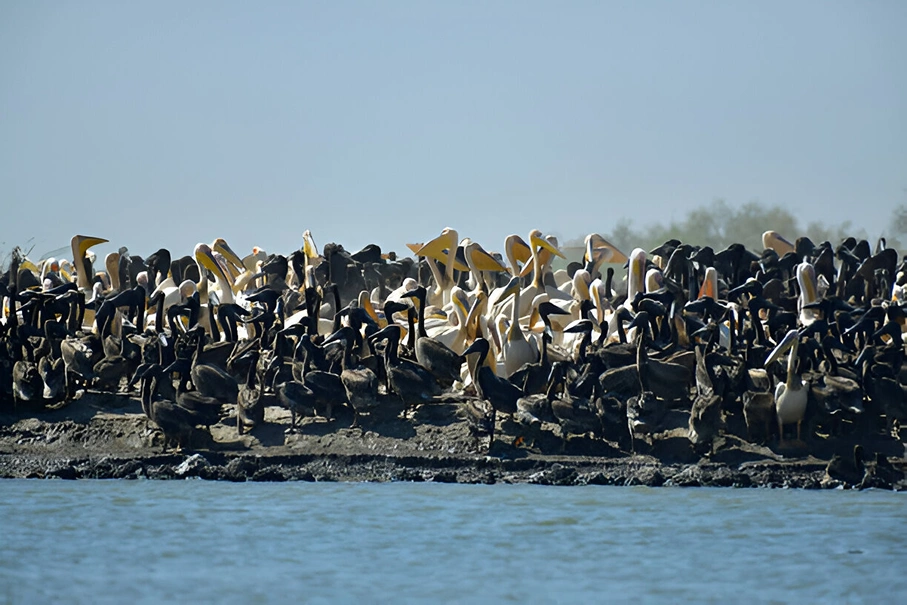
169, 123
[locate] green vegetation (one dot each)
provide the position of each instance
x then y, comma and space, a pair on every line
719, 224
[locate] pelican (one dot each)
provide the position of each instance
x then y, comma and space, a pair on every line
480, 263
598, 251
223, 288
452, 335
80, 245
112, 263
636, 271
516, 349
790, 395
806, 279
772, 240
234, 265
517, 251
709, 284
443, 248
536, 244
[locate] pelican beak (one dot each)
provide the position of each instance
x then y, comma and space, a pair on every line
581, 285
220, 245
540, 242
366, 303
774, 241
81, 244
787, 342
526, 270
440, 246
308, 245
709, 284
205, 257
513, 286
517, 248
806, 277
637, 263
599, 250
484, 261
462, 302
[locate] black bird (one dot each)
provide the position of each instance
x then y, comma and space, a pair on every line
409, 380
435, 356
360, 383
250, 407
499, 392
176, 422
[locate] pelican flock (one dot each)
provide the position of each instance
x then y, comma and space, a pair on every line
797, 347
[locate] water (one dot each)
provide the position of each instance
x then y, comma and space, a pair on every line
195, 541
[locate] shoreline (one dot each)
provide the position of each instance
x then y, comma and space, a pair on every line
105, 436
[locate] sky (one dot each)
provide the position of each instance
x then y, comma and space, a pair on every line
166, 124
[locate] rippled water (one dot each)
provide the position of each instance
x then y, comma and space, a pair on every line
195, 541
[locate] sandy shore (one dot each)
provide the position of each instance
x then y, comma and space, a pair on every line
104, 435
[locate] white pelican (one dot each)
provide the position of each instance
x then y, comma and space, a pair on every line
112, 264
774, 241
806, 279
453, 335
444, 249
598, 251
709, 284
234, 265
516, 349
517, 252
536, 244
636, 272
223, 287
791, 395
80, 245
480, 263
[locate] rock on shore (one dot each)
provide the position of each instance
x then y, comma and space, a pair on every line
106, 436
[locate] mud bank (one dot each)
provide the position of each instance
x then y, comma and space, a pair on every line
106, 436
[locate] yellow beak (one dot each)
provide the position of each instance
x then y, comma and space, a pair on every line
542, 243
439, 247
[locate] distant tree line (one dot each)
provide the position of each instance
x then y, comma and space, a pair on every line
718, 224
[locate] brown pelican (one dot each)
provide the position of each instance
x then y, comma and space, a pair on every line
360, 383
409, 380
434, 355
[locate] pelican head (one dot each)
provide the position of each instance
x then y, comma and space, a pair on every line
204, 255
709, 284
443, 247
537, 241
80, 245
220, 246
517, 251
310, 250
790, 340
655, 280
772, 240
636, 270
599, 250
512, 287
481, 259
